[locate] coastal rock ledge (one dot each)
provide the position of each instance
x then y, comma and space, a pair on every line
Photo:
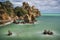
25, 12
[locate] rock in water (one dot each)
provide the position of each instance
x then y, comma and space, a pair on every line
9, 33
48, 32
45, 32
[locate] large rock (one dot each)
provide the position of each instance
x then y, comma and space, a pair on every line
26, 20
29, 18
4, 17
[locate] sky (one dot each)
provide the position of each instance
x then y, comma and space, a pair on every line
45, 6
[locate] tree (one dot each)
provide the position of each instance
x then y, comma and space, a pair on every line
20, 11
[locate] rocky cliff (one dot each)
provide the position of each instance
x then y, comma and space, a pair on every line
6, 10
25, 12
32, 13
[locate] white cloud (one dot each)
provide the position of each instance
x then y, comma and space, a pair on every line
40, 4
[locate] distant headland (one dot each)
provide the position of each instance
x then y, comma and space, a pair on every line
26, 13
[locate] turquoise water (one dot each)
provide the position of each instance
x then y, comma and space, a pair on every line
33, 31
50, 14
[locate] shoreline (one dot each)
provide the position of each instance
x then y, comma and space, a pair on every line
7, 23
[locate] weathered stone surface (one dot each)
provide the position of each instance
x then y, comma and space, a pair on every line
25, 12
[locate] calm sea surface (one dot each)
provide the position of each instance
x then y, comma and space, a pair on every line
33, 31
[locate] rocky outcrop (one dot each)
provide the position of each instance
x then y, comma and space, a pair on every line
25, 12
29, 18
4, 17
6, 12
32, 13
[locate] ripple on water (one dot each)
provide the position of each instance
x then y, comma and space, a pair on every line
29, 23
13, 34
40, 33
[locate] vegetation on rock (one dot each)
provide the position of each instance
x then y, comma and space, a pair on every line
25, 12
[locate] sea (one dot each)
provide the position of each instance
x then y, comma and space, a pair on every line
49, 22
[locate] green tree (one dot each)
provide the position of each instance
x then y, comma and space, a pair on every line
20, 11
8, 6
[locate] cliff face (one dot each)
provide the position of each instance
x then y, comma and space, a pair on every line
25, 12
32, 12
3, 15
6, 11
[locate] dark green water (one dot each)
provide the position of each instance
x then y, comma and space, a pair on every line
33, 31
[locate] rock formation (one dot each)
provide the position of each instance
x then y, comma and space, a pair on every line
6, 10
25, 12
32, 13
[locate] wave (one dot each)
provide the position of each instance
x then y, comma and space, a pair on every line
6, 23
29, 23
40, 33
24, 24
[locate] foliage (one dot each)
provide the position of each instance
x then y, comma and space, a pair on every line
7, 7
20, 11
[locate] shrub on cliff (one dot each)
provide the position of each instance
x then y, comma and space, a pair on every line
20, 11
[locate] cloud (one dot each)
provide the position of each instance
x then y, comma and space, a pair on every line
43, 5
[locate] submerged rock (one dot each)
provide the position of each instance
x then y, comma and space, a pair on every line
9, 33
45, 32
48, 32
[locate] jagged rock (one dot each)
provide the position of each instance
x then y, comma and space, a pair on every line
32, 13
9, 33
25, 12
29, 18
26, 20
47, 32
6, 11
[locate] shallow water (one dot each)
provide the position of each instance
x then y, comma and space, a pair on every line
33, 31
